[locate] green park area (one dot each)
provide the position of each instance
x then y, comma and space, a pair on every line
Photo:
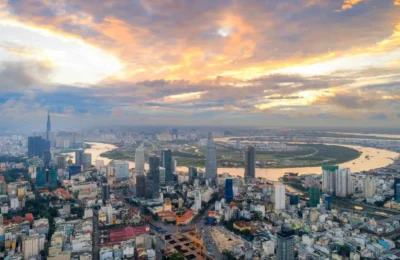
191, 154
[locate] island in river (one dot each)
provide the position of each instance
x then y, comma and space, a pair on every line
293, 155
378, 158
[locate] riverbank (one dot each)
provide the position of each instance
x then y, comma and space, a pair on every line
379, 158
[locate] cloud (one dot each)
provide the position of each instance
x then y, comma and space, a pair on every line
348, 4
16, 76
201, 61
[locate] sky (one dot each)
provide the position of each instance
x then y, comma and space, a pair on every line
256, 63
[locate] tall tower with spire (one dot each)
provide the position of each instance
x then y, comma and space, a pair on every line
48, 129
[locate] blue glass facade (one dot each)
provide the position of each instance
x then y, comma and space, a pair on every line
228, 190
40, 176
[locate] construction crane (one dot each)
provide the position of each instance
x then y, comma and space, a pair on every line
197, 238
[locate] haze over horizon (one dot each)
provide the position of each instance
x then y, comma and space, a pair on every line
305, 63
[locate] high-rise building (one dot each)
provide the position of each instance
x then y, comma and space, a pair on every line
294, 199
285, 249
40, 176
61, 162
280, 196
52, 180
197, 200
30, 246
78, 156
396, 187
74, 170
211, 159
140, 186
86, 159
95, 236
3, 186
48, 128
109, 216
315, 195
36, 146
228, 190
344, 183
153, 178
139, 160
162, 176
369, 187
121, 170
166, 162
250, 170
329, 174
192, 172
105, 192
46, 157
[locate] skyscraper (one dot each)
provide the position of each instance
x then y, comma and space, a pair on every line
153, 178
36, 146
105, 192
40, 176
280, 196
53, 176
139, 160
211, 159
315, 195
140, 186
192, 172
86, 159
329, 174
369, 187
396, 189
46, 157
250, 171
61, 162
78, 156
162, 176
121, 170
166, 162
344, 183
228, 190
48, 129
197, 200
285, 249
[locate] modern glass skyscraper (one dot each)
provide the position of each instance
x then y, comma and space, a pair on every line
396, 189
228, 190
153, 178
36, 146
315, 195
139, 160
285, 249
105, 192
211, 159
53, 176
40, 176
140, 186
166, 159
250, 170
192, 172
79, 156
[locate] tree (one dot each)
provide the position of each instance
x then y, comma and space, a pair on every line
228, 255
176, 256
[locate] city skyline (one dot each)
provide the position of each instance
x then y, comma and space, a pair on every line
216, 63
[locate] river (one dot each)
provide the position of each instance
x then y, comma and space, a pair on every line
378, 158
